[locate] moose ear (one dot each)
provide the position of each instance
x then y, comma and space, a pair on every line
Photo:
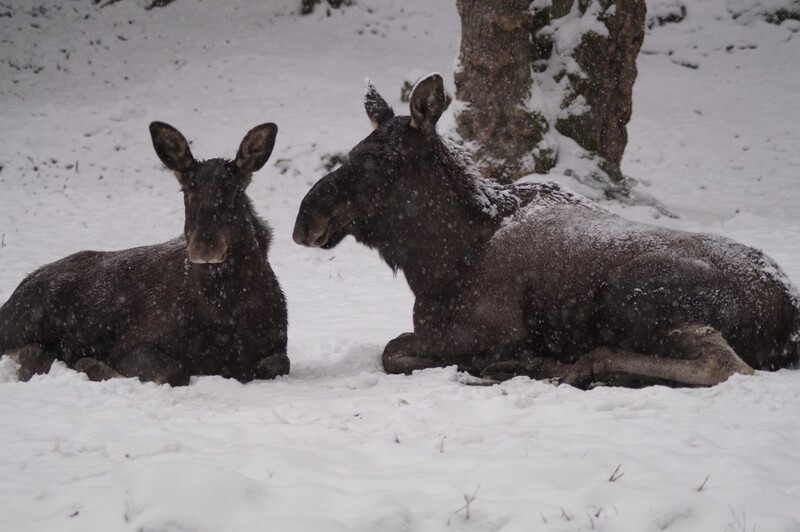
171, 147
256, 147
427, 102
378, 110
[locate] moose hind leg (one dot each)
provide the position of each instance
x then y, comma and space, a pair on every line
696, 355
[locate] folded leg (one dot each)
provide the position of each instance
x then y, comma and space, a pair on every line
694, 355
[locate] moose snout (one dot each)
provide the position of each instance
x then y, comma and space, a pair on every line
204, 251
309, 230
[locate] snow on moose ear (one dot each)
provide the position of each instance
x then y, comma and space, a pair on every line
427, 102
378, 111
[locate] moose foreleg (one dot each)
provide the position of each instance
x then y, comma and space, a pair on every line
706, 359
470, 349
401, 356
538, 368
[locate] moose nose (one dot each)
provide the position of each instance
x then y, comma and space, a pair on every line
298, 235
309, 231
205, 253
212, 258
208, 257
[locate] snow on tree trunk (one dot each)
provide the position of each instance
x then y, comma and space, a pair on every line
605, 81
548, 84
494, 81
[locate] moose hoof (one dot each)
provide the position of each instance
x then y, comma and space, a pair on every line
397, 363
273, 366
395, 359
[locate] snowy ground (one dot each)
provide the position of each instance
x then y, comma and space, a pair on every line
338, 445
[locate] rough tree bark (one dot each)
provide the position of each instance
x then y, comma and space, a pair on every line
508, 47
494, 79
609, 65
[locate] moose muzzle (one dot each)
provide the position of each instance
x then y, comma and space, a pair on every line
206, 250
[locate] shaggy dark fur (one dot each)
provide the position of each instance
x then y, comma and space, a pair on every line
533, 280
206, 303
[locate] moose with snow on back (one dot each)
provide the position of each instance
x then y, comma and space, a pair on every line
531, 279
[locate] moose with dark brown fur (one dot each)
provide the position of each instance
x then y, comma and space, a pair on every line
530, 279
205, 303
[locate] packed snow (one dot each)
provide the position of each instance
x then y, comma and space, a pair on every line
338, 444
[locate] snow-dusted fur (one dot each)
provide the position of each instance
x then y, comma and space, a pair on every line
206, 303
533, 279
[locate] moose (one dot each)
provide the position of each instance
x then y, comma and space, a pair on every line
205, 303
531, 279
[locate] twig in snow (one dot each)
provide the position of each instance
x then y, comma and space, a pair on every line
468, 499
543, 519
741, 526
566, 515
591, 521
396, 439
614, 476
441, 445
704, 483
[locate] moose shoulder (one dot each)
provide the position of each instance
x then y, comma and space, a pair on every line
206, 303
529, 279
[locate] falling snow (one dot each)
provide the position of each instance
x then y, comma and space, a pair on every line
338, 444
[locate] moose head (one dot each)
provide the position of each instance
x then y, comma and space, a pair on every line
213, 190
386, 180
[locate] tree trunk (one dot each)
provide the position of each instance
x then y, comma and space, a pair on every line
494, 78
510, 52
609, 66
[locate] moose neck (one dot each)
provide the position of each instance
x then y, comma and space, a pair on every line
439, 265
437, 245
